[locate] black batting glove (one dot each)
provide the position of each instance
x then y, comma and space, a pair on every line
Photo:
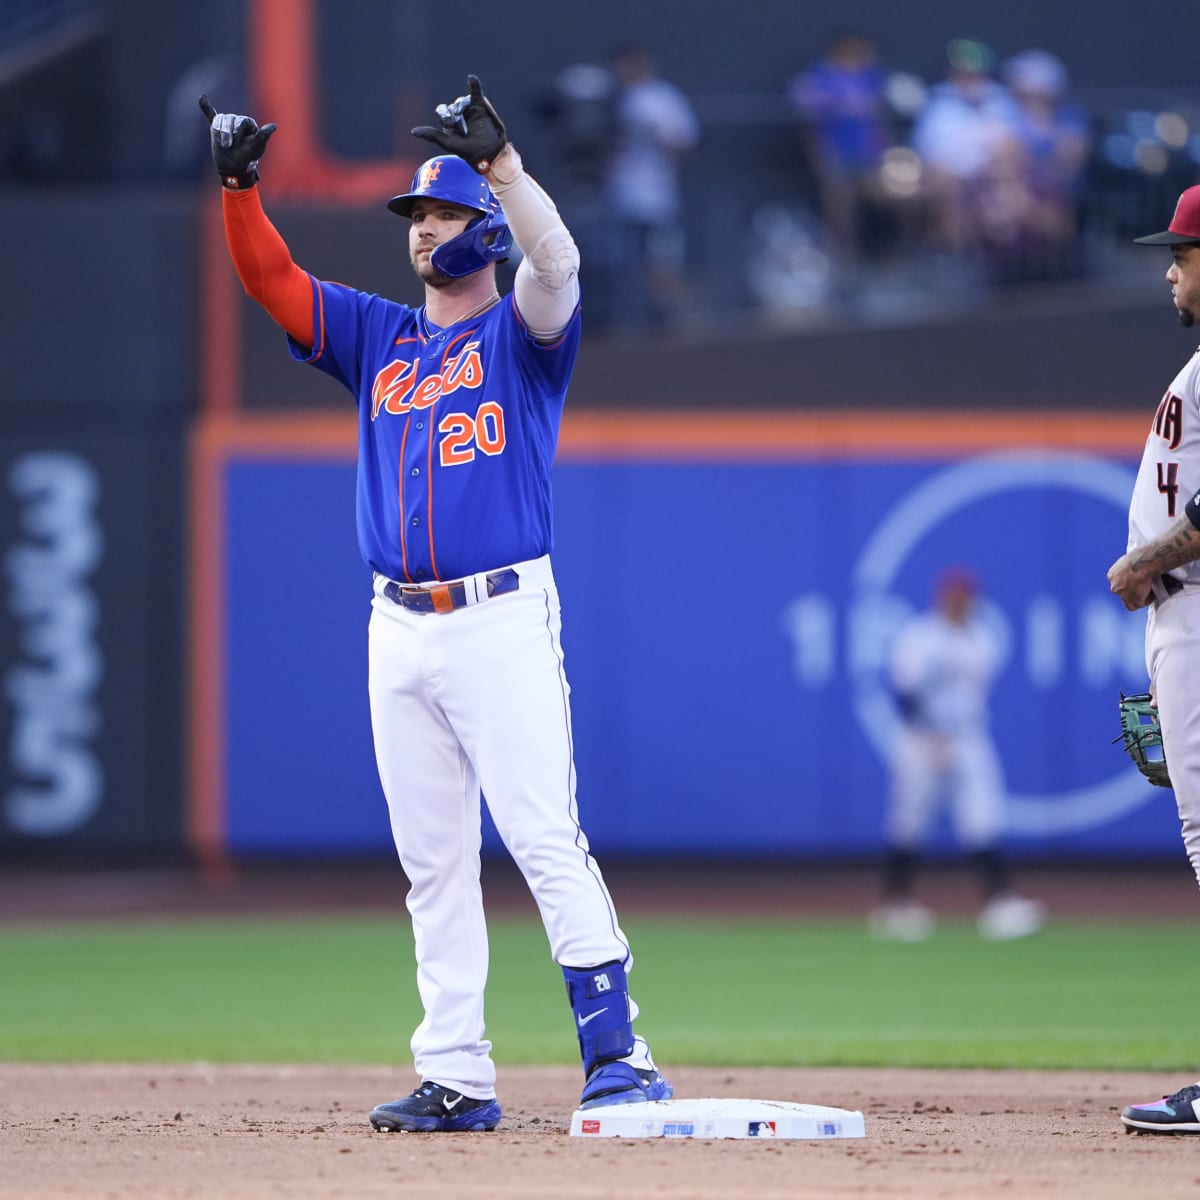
237, 145
469, 128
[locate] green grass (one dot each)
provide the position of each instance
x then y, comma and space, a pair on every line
729, 992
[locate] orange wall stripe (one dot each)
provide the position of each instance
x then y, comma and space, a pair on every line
206, 646
753, 435
283, 47
285, 65
839, 434
219, 344
281, 435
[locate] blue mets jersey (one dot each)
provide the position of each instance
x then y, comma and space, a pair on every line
457, 429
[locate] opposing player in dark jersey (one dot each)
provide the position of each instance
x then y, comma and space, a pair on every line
459, 403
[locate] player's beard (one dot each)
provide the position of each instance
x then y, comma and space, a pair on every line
1187, 300
427, 273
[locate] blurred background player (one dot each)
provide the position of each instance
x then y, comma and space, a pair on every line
943, 664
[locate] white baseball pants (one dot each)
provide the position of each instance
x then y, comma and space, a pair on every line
1173, 663
470, 700
929, 769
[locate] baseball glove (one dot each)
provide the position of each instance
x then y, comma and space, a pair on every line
1142, 737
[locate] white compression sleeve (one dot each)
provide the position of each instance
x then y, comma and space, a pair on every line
546, 286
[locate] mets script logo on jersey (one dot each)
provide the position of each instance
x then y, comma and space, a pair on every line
1168, 421
396, 390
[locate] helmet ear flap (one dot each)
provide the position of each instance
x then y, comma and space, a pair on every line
485, 240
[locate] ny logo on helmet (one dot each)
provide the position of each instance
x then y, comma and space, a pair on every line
429, 172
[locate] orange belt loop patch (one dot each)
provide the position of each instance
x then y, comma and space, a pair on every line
442, 600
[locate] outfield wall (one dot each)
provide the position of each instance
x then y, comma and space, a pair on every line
729, 588
91, 638
179, 569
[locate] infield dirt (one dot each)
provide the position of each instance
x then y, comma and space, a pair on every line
254, 1132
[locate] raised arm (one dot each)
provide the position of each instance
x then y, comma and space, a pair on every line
260, 255
546, 286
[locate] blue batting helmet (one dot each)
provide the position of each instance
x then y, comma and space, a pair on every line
485, 240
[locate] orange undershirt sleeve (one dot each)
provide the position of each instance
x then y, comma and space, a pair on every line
264, 265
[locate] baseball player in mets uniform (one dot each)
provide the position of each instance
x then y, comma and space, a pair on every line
459, 403
1160, 570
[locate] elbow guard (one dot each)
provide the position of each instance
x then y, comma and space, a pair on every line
554, 261
1192, 509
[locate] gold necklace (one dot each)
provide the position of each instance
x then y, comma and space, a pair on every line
473, 312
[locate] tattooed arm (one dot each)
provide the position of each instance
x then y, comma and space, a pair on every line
1132, 576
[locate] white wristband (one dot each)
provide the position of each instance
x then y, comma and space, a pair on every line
506, 169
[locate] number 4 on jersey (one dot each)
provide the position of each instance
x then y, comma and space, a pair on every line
1168, 484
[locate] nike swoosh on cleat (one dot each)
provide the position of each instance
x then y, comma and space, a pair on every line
584, 1020
451, 1105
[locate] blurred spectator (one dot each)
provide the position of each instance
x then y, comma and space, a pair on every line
844, 124
961, 135
1048, 152
657, 127
579, 113
1004, 164
943, 664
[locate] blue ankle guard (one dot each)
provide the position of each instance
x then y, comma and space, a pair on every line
599, 999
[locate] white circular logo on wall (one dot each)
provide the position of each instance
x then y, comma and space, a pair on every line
877, 609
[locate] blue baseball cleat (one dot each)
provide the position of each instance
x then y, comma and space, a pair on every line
620, 1083
436, 1109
